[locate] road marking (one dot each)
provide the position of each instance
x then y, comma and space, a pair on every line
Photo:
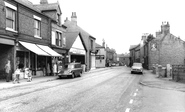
127, 110
135, 94
131, 101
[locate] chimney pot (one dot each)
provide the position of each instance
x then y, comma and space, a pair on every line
43, 1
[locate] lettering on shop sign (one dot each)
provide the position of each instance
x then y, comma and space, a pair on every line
77, 51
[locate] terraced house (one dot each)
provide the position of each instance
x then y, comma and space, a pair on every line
25, 36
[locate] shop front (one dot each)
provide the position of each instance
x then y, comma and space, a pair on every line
77, 55
36, 57
6, 53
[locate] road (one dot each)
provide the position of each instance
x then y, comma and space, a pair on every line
111, 90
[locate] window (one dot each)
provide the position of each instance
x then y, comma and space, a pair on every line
10, 17
37, 27
53, 41
58, 18
59, 39
91, 44
64, 42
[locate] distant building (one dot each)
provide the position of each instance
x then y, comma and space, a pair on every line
100, 56
134, 54
124, 59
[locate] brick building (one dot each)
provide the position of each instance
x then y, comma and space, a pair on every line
100, 55
25, 36
166, 48
87, 39
134, 54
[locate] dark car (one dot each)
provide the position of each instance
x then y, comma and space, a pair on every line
71, 69
137, 68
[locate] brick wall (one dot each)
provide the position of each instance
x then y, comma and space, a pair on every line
2, 13
26, 26
170, 50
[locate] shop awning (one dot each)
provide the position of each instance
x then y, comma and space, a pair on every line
34, 48
49, 50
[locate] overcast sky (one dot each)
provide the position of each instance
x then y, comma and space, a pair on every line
121, 23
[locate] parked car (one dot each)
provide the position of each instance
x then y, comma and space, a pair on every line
71, 69
137, 68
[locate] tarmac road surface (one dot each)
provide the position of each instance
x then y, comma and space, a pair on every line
111, 90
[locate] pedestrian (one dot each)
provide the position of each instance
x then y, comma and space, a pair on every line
29, 74
55, 69
16, 75
48, 69
7, 70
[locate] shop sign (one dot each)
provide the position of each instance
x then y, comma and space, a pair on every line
77, 51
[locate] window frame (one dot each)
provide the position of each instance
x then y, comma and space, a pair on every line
13, 19
37, 28
59, 39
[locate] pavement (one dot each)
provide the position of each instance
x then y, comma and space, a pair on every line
7, 85
152, 80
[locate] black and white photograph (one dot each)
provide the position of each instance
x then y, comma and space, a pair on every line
92, 56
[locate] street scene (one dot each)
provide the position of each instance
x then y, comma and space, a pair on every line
92, 56
103, 90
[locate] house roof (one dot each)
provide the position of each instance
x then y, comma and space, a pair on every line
73, 27
28, 4
98, 45
71, 37
46, 7
133, 46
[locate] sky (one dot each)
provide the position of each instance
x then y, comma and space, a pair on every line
122, 23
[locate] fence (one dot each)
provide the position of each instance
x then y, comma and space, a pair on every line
178, 72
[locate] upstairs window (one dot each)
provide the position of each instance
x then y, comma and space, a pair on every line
37, 27
92, 45
59, 39
10, 17
58, 18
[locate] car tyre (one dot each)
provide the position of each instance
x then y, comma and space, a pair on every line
131, 72
80, 73
73, 76
60, 77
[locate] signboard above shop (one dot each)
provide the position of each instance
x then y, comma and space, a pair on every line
77, 51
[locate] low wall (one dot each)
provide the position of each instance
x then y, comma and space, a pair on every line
178, 72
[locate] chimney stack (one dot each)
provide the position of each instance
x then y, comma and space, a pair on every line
43, 2
74, 17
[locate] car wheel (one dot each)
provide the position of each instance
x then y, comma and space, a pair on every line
60, 77
73, 76
80, 74
131, 72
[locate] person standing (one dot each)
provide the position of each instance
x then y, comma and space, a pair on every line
7, 70
55, 69
48, 70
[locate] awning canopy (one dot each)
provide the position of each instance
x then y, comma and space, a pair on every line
49, 51
34, 48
